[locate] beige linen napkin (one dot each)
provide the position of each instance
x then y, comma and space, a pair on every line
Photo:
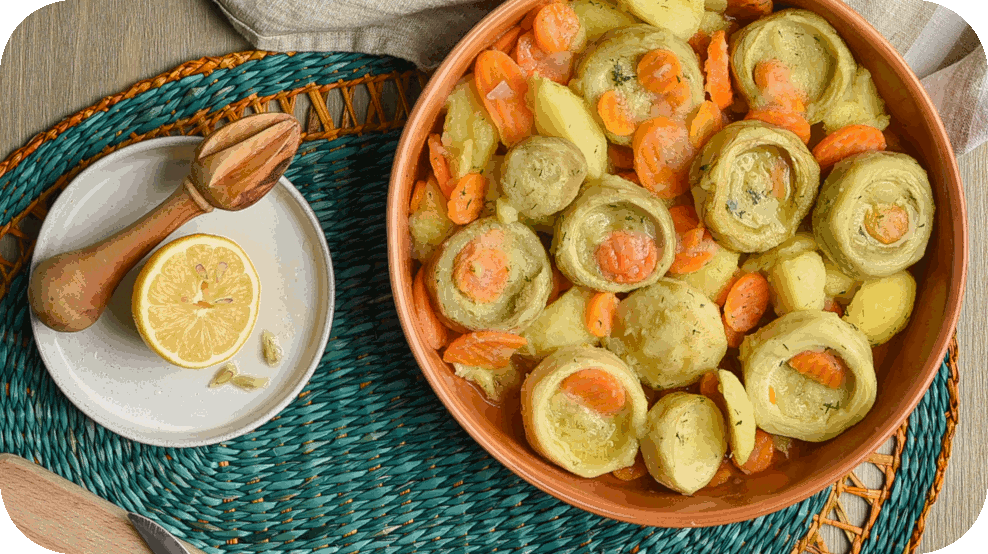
939, 46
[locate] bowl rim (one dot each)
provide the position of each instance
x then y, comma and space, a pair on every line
401, 286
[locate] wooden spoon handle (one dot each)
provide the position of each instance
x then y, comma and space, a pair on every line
69, 292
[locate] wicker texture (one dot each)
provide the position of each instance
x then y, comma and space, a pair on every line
366, 459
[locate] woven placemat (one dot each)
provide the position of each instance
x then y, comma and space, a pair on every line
366, 459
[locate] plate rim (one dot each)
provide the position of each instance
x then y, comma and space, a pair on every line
254, 422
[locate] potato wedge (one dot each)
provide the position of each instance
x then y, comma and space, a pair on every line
682, 17
561, 113
798, 283
881, 307
685, 442
740, 416
561, 324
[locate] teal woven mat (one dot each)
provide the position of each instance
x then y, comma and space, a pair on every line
367, 459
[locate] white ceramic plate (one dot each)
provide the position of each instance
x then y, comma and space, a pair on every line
111, 375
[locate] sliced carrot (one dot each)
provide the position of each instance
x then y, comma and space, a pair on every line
630, 176
434, 333
746, 302
734, 338
502, 87
467, 199
684, 218
694, 249
780, 179
774, 79
528, 21
887, 223
621, 157
533, 60
762, 456
725, 473
692, 239
831, 305
722, 295
560, 284
627, 257
601, 311
482, 268
717, 72
489, 349
506, 42
595, 389
706, 123
418, 195
632, 472
786, 119
699, 43
613, 111
679, 96
771, 395
823, 366
440, 165
847, 141
659, 71
662, 156
556, 27
747, 10
710, 387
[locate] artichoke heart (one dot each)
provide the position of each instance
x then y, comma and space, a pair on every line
542, 175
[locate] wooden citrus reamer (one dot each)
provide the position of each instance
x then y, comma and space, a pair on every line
232, 169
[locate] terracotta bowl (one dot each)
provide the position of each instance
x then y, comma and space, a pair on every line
905, 366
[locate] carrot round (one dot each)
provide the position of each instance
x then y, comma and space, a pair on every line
533, 60
762, 456
684, 218
596, 390
506, 42
725, 472
722, 295
774, 79
699, 42
613, 111
887, 223
662, 156
560, 284
706, 123
717, 72
440, 165
418, 195
630, 176
771, 395
627, 257
636, 470
481, 271
734, 338
467, 199
490, 349
823, 366
434, 333
600, 313
847, 141
659, 71
784, 118
695, 248
747, 10
746, 302
502, 87
621, 157
556, 27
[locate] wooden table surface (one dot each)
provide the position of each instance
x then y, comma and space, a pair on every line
68, 55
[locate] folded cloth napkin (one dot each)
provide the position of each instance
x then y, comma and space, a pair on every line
939, 46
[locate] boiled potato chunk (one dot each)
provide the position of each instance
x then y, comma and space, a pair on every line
468, 133
561, 324
799, 243
599, 16
839, 285
685, 442
881, 307
714, 275
862, 105
797, 283
682, 17
740, 416
429, 225
561, 113
495, 382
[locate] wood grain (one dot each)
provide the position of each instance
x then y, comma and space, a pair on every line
68, 55
62, 516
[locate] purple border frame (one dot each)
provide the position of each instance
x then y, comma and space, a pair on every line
975, 12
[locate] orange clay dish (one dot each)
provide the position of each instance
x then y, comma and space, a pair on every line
609, 309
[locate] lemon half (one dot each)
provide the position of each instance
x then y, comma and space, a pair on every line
196, 300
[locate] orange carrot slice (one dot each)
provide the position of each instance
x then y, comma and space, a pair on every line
482, 268
747, 10
440, 165
601, 311
632, 472
467, 199
725, 473
771, 395
434, 333
699, 42
774, 79
684, 218
502, 87
418, 195
490, 349
786, 119
780, 179
662, 156
722, 295
887, 223
706, 123
823, 366
762, 456
847, 141
694, 249
621, 157
630, 176
595, 389
734, 338
709, 384
533, 60
560, 284
556, 27
746, 302
627, 257
831, 305
506, 42
716, 69
528, 21
659, 71
613, 111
